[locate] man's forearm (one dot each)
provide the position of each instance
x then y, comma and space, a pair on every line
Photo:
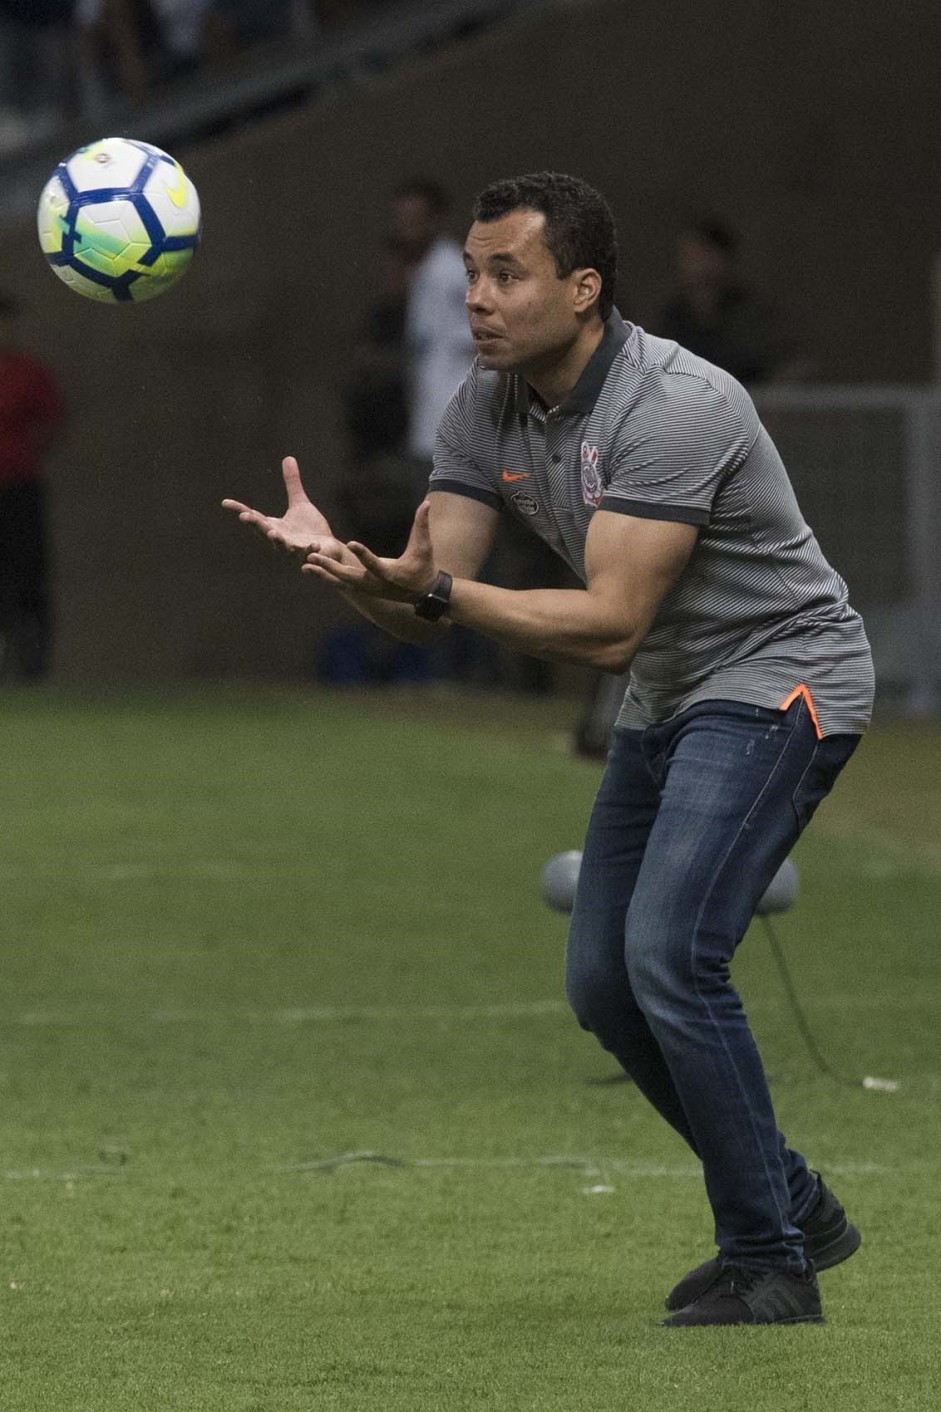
399, 619
558, 625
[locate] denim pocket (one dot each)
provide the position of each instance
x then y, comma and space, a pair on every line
820, 775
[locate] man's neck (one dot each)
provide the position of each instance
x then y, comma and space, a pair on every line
553, 379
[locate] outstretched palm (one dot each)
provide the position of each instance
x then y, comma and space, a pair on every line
401, 580
301, 529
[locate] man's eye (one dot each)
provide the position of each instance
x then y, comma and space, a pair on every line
504, 277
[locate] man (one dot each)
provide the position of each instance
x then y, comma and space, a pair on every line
649, 472
439, 348
713, 313
31, 416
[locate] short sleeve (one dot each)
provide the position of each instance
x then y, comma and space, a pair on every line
464, 458
682, 439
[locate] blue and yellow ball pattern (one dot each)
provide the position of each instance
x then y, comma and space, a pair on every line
119, 221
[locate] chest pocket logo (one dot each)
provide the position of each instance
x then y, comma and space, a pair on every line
525, 503
592, 484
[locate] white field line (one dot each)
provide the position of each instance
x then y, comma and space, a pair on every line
586, 1168
400, 1014
295, 1015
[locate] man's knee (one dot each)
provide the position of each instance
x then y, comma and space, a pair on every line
671, 968
604, 1006
661, 962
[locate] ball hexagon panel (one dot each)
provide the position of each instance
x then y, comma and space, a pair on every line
111, 237
114, 163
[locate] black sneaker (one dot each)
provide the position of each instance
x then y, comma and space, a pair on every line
740, 1297
829, 1239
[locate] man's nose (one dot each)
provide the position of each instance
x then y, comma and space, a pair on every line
476, 297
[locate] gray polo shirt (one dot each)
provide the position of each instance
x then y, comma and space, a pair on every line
758, 615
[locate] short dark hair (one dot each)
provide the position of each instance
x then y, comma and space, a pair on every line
579, 231
431, 192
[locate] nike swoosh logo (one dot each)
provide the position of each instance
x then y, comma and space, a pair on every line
510, 477
177, 192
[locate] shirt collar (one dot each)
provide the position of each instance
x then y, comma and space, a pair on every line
586, 391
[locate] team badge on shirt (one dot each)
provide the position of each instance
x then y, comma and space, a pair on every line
592, 484
525, 503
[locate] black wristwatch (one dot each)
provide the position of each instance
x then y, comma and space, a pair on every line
435, 604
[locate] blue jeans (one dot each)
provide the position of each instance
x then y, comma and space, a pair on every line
693, 819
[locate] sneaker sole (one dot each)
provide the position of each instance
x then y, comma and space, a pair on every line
745, 1323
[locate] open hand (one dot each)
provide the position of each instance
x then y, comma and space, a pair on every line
301, 529
402, 580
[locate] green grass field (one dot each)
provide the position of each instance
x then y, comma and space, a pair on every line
293, 1113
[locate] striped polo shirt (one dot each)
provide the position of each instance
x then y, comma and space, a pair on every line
758, 615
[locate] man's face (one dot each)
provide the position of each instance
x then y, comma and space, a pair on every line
522, 314
413, 227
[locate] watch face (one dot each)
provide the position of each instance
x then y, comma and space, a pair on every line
435, 603
431, 607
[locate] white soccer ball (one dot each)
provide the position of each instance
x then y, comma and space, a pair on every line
781, 892
119, 220
559, 880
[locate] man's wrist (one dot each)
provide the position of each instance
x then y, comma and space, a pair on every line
435, 603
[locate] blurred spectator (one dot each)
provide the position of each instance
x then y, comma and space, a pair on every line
713, 313
438, 343
382, 483
181, 32
120, 51
31, 415
130, 46
375, 404
379, 419
60, 57
233, 25
36, 74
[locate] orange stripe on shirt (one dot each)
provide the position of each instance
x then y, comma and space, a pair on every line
803, 692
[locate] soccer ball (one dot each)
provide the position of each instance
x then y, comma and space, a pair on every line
560, 879
119, 220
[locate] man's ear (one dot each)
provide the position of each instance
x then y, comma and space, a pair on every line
586, 290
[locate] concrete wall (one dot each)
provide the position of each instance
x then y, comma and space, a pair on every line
811, 126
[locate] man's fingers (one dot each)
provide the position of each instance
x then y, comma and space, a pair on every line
248, 516
292, 481
350, 574
420, 536
419, 545
368, 559
318, 573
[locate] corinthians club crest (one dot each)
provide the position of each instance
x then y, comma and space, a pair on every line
592, 484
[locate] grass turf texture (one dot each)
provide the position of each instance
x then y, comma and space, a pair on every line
246, 932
